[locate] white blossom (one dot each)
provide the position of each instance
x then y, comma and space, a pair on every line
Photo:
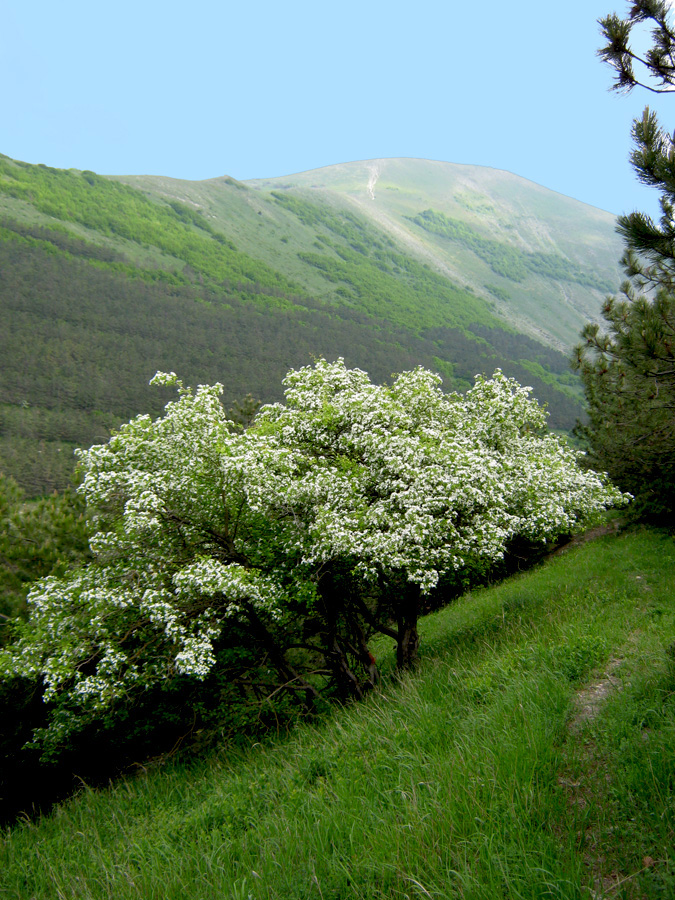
194, 523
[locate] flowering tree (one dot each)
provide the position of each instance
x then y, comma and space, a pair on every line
401, 485
322, 523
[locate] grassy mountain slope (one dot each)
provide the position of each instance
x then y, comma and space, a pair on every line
330, 250
103, 281
509, 212
531, 756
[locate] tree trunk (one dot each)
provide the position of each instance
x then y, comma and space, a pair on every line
408, 639
347, 650
286, 672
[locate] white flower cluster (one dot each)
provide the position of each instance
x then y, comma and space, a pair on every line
195, 522
408, 478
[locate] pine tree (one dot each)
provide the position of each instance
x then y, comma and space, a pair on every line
628, 368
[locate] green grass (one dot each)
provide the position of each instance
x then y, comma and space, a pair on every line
472, 778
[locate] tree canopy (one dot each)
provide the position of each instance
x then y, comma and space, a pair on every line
628, 367
323, 523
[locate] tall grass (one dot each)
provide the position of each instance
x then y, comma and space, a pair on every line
463, 780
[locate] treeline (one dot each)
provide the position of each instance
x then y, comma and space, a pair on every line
564, 405
504, 259
60, 239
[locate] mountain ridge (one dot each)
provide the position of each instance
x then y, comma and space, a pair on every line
484, 196
414, 159
475, 189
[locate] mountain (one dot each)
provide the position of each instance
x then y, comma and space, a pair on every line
389, 263
542, 261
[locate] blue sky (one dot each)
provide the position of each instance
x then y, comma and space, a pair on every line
201, 89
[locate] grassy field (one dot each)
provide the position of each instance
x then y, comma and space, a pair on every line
532, 755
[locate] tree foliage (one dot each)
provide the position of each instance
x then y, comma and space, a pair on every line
324, 522
655, 68
629, 367
37, 538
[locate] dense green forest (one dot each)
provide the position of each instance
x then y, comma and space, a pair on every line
101, 286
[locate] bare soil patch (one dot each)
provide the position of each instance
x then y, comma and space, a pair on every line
589, 700
592, 534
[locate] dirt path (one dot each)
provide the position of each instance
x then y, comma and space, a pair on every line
612, 527
589, 700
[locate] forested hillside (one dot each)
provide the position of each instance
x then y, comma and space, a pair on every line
102, 284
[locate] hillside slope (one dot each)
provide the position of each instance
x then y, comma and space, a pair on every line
530, 756
104, 281
545, 260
